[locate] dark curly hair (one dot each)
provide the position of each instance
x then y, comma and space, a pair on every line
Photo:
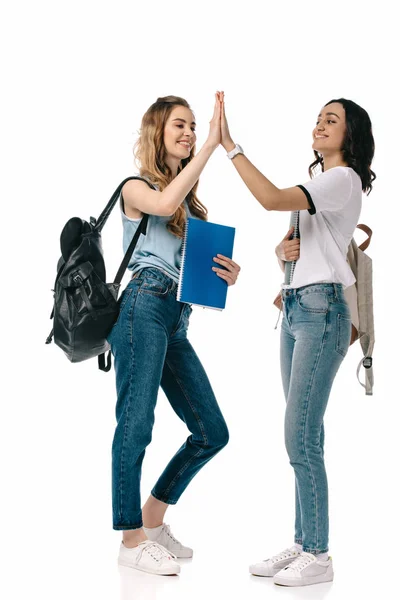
358, 145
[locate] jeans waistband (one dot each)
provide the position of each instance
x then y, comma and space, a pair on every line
335, 289
155, 273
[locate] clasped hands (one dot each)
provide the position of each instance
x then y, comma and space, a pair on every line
219, 130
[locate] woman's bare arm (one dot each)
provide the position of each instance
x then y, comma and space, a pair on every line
139, 198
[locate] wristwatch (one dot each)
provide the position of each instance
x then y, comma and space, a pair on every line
237, 150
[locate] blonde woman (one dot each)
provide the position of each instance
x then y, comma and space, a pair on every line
149, 340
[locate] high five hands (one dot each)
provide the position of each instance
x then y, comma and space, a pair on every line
226, 140
219, 130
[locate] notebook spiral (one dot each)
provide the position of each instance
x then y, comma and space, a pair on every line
291, 265
183, 256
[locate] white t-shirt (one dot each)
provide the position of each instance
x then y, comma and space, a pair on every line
327, 227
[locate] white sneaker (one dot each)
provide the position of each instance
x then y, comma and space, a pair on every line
150, 557
272, 566
305, 570
163, 535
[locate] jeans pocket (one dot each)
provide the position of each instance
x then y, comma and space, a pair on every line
343, 334
313, 302
154, 287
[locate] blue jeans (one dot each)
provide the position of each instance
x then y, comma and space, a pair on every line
150, 349
315, 337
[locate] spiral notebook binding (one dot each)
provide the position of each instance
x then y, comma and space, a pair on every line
183, 256
295, 236
291, 265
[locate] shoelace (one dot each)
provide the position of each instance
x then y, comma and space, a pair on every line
168, 531
156, 551
282, 555
300, 562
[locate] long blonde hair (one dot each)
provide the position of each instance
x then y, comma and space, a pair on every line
150, 155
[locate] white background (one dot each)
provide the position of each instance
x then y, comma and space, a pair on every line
78, 76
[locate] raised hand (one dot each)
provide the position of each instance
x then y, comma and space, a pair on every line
226, 139
214, 136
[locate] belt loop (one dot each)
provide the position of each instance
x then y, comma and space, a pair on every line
137, 274
336, 291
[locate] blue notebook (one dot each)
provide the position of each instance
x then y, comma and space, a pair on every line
198, 283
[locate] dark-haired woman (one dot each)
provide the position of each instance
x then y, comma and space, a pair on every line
149, 340
316, 326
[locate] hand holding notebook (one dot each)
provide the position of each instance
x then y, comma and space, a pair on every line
198, 283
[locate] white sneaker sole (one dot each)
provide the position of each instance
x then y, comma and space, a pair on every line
173, 570
303, 580
271, 572
188, 555
260, 573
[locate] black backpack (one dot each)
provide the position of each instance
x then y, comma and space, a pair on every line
85, 307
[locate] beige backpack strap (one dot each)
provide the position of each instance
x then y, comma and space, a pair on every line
366, 362
368, 231
366, 314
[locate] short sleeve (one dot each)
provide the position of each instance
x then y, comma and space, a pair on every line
329, 191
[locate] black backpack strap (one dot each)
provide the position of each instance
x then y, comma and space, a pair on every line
111, 203
103, 365
50, 336
142, 228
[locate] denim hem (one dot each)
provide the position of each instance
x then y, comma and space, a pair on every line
300, 542
162, 498
126, 527
315, 551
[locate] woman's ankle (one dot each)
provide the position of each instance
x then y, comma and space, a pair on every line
153, 512
152, 524
133, 537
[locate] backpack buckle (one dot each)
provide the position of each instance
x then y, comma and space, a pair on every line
367, 362
76, 278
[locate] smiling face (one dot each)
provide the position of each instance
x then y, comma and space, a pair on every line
330, 129
179, 133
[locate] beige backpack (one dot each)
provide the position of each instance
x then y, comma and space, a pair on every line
359, 297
